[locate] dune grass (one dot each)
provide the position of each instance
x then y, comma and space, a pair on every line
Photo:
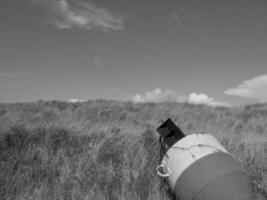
109, 150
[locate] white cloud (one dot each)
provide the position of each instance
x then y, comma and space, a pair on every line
13, 80
81, 14
176, 19
76, 100
12, 75
158, 95
254, 88
204, 99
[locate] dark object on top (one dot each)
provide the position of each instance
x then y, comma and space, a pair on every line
169, 133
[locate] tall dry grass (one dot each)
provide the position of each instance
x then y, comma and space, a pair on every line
109, 150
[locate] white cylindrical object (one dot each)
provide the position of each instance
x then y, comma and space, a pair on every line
197, 163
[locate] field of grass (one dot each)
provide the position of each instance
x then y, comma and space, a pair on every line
108, 150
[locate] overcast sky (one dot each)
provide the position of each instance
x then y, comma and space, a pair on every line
212, 51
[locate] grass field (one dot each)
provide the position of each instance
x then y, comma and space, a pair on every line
109, 150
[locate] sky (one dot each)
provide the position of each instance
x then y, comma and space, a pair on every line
208, 51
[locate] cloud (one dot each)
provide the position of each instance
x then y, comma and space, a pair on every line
68, 14
158, 95
204, 99
4, 75
176, 19
12, 80
76, 100
254, 88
